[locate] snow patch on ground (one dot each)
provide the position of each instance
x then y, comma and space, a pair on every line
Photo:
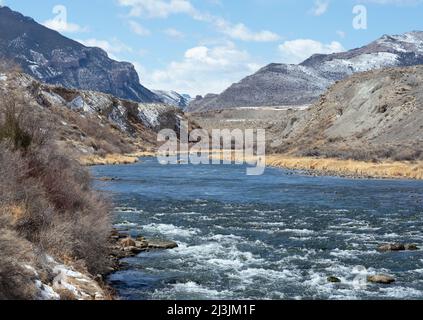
65, 279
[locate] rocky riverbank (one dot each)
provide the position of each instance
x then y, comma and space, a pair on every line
122, 246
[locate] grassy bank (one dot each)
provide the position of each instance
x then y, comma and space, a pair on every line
382, 169
114, 159
351, 168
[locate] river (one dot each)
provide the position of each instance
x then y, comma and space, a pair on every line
275, 236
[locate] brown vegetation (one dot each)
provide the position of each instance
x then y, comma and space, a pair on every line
47, 206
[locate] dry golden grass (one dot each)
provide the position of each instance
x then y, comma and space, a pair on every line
143, 154
385, 169
111, 159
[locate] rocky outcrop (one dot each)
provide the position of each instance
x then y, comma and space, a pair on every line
297, 85
90, 122
124, 246
52, 58
173, 98
369, 116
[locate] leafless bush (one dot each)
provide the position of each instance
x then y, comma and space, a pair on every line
16, 280
54, 208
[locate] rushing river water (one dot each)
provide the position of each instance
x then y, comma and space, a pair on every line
276, 236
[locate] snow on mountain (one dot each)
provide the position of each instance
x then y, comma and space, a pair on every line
54, 59
281, 84
173, 98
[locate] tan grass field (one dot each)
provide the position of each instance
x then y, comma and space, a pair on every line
352, 168
385, 169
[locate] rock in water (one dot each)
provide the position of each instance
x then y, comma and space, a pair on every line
411, 247
158, 244
381, 278
397, 247
391, 247
128, 242
334, 279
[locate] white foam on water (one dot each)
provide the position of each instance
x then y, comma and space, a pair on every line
214, 255
351, 254
191, 289
126, 224
401, 292
298, 231
170, 230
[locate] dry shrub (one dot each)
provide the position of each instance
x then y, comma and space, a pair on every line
49, 201
16, 281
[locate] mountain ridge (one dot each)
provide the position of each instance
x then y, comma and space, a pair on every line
55, 59
293, 85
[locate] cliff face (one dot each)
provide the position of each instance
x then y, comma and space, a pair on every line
296, 85
52, 58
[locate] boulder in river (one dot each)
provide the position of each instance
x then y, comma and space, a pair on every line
127, 242
381, 278
396, 247
333, 279
411, 247
160, 244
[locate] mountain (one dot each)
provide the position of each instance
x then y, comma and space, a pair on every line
369, 116
295, 85
52, 58
173, 98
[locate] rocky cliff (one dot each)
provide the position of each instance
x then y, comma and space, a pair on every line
52, 58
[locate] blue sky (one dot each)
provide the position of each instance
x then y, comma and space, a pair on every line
201, 46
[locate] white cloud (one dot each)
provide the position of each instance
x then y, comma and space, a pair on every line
157, 8
174, 33
114, 47
64, 26
341, 34
165, 8
138, 29
60, 21
296, 51
202, 70
242, 32
320, 7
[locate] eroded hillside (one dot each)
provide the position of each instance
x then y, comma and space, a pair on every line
371, 115
86, 123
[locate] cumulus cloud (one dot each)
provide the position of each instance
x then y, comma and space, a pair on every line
157, 8
241, 32
165, 8
203, 69
63, 26
60, 21
296, 51
113, 47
